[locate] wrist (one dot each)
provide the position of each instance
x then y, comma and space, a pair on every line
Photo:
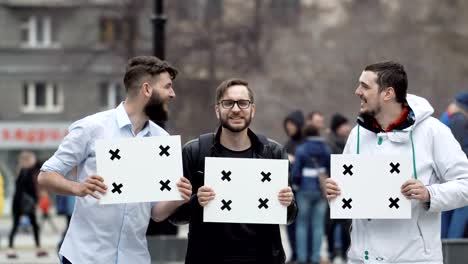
74, 188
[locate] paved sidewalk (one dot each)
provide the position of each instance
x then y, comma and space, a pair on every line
24, 242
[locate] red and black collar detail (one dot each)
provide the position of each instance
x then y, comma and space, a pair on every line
405, 120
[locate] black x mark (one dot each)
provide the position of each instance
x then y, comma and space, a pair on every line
394, 202
347, 169
115, 154
164, 150
165, 185
117, 188
226, 175
266, 176
263, 203
347, 203
395, 167
226, 205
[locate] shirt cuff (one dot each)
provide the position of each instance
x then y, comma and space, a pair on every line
56, 165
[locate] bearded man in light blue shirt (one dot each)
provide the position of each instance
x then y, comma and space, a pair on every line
113, 233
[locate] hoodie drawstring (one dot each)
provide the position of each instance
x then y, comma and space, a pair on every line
414, 155
412, 148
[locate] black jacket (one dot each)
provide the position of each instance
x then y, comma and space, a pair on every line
26, 183
201, 245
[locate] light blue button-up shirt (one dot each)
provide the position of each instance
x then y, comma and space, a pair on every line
101, 233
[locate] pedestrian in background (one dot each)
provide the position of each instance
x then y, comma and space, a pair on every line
25, 200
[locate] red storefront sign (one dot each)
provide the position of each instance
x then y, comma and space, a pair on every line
32, 135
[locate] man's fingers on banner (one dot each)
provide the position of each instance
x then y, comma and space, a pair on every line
89, 192
97, 183
184, 185
96, 177
183, 179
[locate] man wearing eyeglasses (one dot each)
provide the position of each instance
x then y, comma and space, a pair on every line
229, 242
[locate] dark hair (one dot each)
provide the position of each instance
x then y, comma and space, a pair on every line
311, 131
391, 74
337, 120
311, 115
222, 88
145, 66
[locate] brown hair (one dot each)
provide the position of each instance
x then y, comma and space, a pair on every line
222, 88
144, 66
391, 74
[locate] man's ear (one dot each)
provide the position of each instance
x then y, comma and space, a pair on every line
389, 94
216, 107
253, 110
146, 89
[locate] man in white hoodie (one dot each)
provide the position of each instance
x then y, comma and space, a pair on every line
390, 122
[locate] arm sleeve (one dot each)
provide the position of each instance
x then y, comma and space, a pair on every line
292, 208
451, 165
71, 152
296, 172
183, 214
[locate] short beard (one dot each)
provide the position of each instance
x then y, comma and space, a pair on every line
154, 109
372, 113
225, 124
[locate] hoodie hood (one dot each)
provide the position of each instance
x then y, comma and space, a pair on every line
297, 117
419, 110
422, 109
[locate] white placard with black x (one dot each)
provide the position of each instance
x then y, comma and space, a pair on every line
246, 190
370, 186
143, 169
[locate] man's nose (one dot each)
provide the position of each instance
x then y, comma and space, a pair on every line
235, 107
358, 91
172, 93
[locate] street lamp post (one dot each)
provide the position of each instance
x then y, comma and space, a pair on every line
159, 22
159, 41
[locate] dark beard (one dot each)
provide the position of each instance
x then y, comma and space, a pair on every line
225, 124
154, 109
372, 113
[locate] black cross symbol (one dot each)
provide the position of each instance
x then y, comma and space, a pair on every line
263, 203
395, 167
347, 169
115, 154
226, 175
226, 205
164, 150
165, 185
117, 188
347, 203
266, 176
394, 202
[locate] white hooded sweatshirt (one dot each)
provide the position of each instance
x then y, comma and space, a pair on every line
440, 164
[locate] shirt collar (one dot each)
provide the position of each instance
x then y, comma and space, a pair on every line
122, 117
123, 120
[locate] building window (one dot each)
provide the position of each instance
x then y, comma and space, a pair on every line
113, 30
110, 94
37, 32
42, 97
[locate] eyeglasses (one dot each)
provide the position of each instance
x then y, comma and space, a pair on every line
229, 104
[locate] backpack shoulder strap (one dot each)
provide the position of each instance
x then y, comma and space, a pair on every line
205, 142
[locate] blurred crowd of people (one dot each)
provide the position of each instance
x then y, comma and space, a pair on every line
309, 146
